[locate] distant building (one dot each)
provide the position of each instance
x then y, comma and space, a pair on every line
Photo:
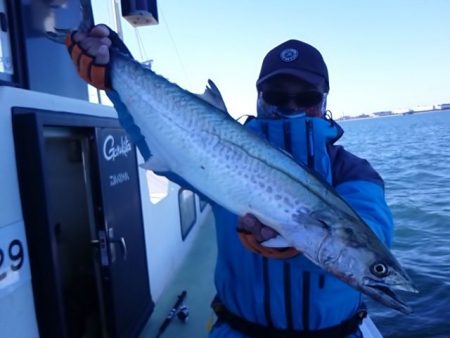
362, 116
423, 108
399, 111
384, 113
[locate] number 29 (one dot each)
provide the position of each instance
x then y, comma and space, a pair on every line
16, 255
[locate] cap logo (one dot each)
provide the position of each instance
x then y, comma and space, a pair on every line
289, 55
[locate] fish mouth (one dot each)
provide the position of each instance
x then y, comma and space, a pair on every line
385, 294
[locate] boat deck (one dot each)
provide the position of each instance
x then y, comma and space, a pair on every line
199, 286
200, 289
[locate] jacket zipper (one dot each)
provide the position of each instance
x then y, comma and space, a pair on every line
310, 144
267, 304
288, 296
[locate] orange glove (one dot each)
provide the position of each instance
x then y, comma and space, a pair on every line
90, 52
251, 232
95, 74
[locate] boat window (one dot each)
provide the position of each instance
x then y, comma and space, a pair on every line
188, 216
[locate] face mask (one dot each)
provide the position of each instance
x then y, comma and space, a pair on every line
268, 111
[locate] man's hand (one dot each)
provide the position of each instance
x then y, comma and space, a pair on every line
252, 232
95, 43
90, 54
251, 225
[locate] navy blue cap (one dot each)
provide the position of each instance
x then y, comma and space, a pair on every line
298, 59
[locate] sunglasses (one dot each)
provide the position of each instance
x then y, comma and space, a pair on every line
303, 99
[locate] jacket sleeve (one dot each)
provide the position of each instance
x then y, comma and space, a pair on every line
127, 123
362, 187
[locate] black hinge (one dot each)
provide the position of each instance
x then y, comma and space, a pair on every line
3, 22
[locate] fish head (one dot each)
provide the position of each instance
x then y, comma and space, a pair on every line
384, 275
378, 274
360, 258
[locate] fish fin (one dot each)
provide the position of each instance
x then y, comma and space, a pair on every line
155, 164
212, 96
276, 242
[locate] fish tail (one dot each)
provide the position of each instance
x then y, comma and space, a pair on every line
58, 35
87, 19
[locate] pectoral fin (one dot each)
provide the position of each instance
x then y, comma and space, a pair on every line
155, 164
276, 242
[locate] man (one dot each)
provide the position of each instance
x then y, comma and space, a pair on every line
275, 292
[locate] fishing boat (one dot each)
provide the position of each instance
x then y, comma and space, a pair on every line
91, 245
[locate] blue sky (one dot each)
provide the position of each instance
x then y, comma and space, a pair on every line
381, 55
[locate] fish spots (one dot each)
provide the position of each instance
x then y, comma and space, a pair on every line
269, 189
300, 214
278, 197
288, 202
202, 167
298, 217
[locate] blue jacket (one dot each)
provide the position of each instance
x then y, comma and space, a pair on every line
291, 293
295, 293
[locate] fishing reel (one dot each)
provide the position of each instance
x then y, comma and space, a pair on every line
183, 313
179, 309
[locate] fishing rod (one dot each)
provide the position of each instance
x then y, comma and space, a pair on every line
178, 309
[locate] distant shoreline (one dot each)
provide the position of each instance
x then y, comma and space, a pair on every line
369, 117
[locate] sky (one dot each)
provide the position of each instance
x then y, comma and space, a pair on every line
381, 55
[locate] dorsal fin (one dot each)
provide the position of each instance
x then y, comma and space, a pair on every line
212, 95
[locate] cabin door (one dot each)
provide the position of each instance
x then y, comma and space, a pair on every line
81, 202
125, 266
72, 223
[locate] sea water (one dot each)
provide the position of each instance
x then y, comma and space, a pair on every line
412, 154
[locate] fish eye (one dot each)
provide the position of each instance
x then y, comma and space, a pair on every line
379, 269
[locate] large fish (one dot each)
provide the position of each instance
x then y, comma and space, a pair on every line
244, 173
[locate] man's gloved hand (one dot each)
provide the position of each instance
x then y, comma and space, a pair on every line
252, 232
90, 53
